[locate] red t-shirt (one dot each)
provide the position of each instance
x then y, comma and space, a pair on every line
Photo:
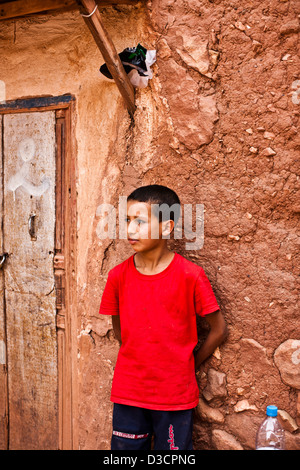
155, 366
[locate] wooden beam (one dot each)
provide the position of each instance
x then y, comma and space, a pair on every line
18, 8
93, 20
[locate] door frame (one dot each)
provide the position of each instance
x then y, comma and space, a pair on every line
64, 262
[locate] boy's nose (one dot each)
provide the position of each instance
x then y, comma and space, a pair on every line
132, 228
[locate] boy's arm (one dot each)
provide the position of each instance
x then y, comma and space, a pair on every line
216, 335
117, 327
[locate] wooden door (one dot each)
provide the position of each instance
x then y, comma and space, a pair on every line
3, 365
38, 347
28, 157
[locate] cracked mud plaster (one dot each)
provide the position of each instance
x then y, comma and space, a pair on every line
219, 126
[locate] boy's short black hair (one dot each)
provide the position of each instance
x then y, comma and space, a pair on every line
165, 197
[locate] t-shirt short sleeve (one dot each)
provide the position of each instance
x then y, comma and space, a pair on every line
205, 300
110, 299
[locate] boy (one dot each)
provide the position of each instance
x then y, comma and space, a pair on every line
153, 298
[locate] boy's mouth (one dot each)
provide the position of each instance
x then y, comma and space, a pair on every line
133, 240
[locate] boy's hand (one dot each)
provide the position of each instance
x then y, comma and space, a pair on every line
116, 327
216, 336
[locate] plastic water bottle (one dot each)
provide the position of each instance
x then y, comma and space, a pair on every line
270, 435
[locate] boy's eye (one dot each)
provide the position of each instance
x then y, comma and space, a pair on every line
138, 221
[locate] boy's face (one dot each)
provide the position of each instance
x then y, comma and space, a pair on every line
144, 231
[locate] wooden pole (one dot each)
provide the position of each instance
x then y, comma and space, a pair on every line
90, 13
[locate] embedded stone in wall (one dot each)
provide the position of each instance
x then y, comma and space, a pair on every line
222, 440
193, 115
288, 422
244, 405
287, 359
215, 391
195, 53
244, 427
206, 413
254, 357
291, 27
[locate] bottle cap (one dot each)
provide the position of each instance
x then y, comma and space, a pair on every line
271, 410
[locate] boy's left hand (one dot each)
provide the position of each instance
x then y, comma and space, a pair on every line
216, 336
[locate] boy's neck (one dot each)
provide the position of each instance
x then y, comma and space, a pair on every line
154, 261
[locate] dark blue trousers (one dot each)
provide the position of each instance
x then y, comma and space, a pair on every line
134, 427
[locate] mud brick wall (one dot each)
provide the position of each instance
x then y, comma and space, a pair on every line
219, 124
227, 75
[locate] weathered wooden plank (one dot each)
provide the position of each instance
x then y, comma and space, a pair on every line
93, 20
19, 8
29, 188
44, 102
65, 248
60, 153
70, 254
9, 10
32, 372
3, 355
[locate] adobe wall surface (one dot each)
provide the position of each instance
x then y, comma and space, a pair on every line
218, 123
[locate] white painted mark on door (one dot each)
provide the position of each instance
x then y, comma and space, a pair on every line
26, 152
26, 149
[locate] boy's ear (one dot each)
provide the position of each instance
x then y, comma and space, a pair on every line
167, 227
